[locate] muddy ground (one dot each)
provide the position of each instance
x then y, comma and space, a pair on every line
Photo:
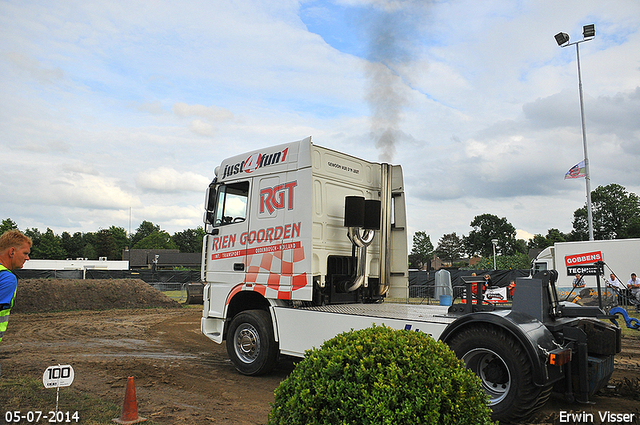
181, 377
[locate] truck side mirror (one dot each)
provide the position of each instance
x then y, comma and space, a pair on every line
362, 213
211, 198
354, 211
372, 209
210, 206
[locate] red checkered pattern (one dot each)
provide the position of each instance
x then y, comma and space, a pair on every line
272, 276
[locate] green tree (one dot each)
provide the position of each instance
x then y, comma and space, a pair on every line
616, 214
121, 240
487, 227
421, 251
156, 240
450, 247
105, 245
72, 244
189, 240
8, 224
520, 246
519, 261
145, 229
48, 247
89, 252
553, 235
633, 229
35, 236
580, 230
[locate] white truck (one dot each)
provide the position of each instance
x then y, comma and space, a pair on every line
620, 256
303, 242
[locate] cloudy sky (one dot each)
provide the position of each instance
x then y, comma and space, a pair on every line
114, 112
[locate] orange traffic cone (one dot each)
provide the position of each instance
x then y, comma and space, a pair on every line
130, 406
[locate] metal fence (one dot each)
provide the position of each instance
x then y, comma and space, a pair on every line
174, 290
175, 276
422, 283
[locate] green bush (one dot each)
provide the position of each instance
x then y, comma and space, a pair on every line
380, 376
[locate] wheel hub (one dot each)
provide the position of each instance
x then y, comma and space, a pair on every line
247, 343
493, 372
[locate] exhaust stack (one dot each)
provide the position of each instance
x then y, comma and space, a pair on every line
361, 215
385, 228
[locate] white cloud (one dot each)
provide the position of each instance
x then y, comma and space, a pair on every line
88, 191
35, 69
524, 235
168, 180
70, 188
98, 97
174, 217
154, 107
212, 113
202, 128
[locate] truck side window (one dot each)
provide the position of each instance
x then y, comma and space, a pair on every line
537, 267
231, 205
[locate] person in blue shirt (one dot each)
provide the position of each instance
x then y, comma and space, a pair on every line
14, 251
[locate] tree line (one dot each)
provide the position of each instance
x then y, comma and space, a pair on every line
109, 243
616, 215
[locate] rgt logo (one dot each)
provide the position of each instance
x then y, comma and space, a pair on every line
277, 197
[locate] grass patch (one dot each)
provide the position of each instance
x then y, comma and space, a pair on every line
29, 395
179, 296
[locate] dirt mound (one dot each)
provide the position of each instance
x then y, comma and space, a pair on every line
45, 295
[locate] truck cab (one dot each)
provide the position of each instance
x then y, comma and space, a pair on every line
277, 234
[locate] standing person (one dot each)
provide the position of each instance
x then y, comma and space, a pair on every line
14, 251
488, 283
578, 282
474, 285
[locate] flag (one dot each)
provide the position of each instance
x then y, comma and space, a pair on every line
576, 171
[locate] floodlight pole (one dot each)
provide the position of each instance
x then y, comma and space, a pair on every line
587, 173
494, 242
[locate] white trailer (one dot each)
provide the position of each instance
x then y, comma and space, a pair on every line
304, 242
621, 257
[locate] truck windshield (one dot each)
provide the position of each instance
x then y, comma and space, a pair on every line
228, 203
537, 267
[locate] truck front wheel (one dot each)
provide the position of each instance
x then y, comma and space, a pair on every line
504, 370
251, 344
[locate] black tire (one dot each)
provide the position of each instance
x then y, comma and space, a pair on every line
194, 293
190, 299
251, 344
504, 369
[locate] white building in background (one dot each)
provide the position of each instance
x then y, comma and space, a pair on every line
77, 264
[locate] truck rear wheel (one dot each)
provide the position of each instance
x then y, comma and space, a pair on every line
251, 344
504, 370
